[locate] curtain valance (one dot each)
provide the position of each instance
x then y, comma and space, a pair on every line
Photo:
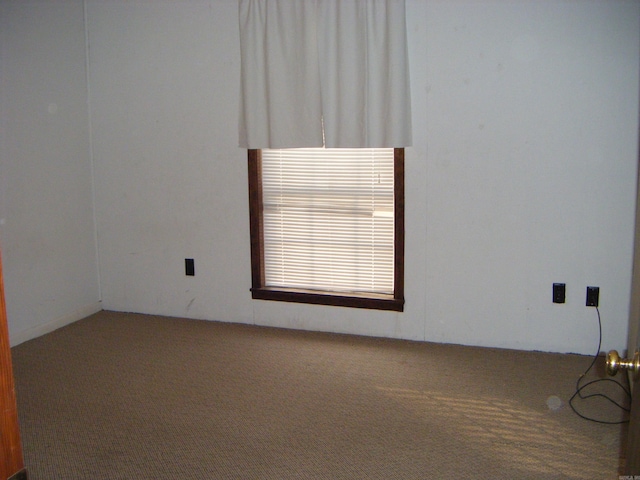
324, 72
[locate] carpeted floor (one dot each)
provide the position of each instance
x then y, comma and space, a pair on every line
124, 396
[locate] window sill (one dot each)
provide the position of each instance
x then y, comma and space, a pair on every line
370, 301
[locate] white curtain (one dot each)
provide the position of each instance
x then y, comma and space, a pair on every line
337, 64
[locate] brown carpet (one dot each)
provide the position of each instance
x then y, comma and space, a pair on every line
128, 396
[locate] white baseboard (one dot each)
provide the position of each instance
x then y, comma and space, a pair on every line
74, 316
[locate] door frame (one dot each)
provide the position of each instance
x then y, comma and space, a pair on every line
632, 466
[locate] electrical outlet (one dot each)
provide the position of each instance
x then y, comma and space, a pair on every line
189, 268
593, 295
559, 292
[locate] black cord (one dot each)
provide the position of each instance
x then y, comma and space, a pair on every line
579, 388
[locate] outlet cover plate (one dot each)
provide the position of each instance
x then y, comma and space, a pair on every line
593, 296
559, 292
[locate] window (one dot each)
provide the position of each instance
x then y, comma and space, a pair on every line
319, 236
327, 226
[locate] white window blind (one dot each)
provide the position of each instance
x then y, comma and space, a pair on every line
328, 219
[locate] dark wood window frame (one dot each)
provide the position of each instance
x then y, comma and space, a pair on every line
259, 291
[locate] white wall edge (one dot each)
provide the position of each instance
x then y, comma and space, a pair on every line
71, 317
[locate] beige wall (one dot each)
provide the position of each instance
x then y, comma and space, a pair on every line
47, 229
522, 173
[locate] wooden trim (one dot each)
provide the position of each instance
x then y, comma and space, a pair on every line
259, 291
11, 449
370, 301
398, 269
255, 219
